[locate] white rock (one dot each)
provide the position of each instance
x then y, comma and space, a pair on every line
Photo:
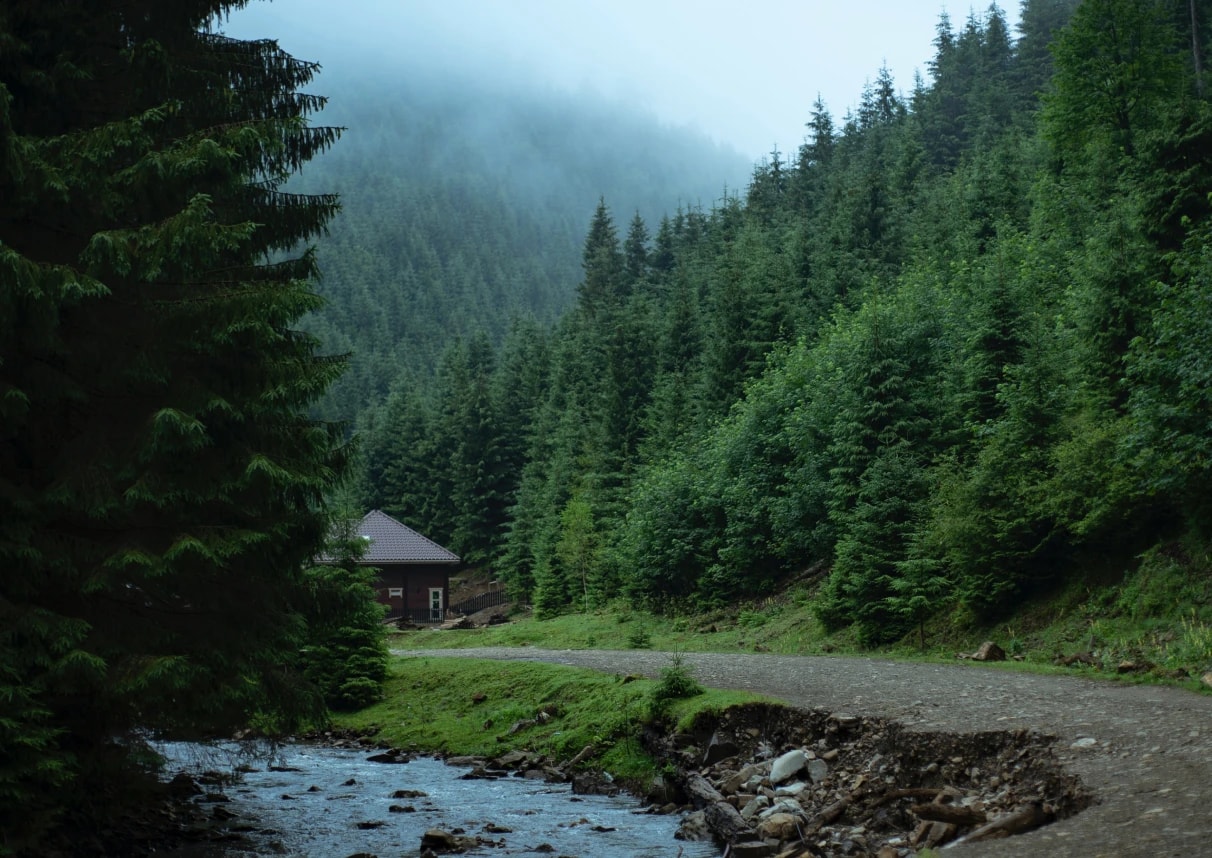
791, 789
755, 807
786, 806
788, 765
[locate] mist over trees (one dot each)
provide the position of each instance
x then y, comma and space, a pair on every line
464, 204
948, 351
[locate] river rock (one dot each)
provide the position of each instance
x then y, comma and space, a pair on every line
818, 770
390, 757
989, 651
183, 786
750, 849
409, 793
791, 790
719, 748
754, 807
443, 841
779, 826
735, 782
693, 827
787, 766
787, 805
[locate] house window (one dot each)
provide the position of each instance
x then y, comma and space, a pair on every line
395, 592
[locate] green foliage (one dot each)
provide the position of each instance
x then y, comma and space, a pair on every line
677, 682
948, 353
345, 655
161, 485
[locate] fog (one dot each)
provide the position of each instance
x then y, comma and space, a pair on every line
745, 74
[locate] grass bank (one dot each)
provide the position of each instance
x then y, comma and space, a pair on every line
471, 707
1154, 614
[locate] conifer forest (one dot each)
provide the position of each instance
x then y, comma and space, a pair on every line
953, 347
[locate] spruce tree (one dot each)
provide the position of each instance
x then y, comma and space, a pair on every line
161, 487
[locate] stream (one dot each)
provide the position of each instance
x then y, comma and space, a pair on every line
306, 800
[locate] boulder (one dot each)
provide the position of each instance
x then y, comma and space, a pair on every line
693, 827
989, 651
443, 841
818, 770
734, 783
719, 748
786, 805
755, 807
779, 826
787, 766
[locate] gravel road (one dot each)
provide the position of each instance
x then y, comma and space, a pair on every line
1150, 766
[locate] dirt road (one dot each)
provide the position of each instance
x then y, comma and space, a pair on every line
1150, 765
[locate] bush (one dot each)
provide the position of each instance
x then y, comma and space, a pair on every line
677, 683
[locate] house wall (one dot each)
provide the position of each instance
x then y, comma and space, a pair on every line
413, 583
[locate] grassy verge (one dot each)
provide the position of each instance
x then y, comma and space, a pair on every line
469, 706
1156, 615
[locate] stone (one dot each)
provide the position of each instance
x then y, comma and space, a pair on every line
754, 807
787, 766
750, 849
787, 805
989, 651
736, 782
694, 827
661, 791
1084, 742
719, 748
183, 786
818, 770
511, 759
779, 826
791, 789
441, 841
1206, 679
390, 757
409, 793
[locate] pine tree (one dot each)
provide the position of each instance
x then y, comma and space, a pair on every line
161, 487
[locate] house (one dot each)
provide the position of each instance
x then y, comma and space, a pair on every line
414, 572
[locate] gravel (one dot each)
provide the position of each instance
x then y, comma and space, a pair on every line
1144, 751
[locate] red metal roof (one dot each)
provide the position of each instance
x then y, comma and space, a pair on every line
389, 541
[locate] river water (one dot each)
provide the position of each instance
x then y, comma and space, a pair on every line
305, 800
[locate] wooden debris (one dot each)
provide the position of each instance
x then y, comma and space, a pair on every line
1086, 658
954, 813
1027, 819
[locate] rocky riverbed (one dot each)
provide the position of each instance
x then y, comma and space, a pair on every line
771, 780
1143, 753
345, 798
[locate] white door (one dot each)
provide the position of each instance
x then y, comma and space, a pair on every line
435, 604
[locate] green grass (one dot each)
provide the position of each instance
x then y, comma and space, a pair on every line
1158, 612
433, 705
780, 625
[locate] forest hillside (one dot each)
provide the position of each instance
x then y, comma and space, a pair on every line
952, 349
464, 203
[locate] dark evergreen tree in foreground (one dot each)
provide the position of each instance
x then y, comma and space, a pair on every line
161, 487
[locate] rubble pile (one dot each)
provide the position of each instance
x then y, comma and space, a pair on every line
767, 780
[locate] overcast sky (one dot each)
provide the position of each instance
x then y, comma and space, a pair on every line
745, 73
